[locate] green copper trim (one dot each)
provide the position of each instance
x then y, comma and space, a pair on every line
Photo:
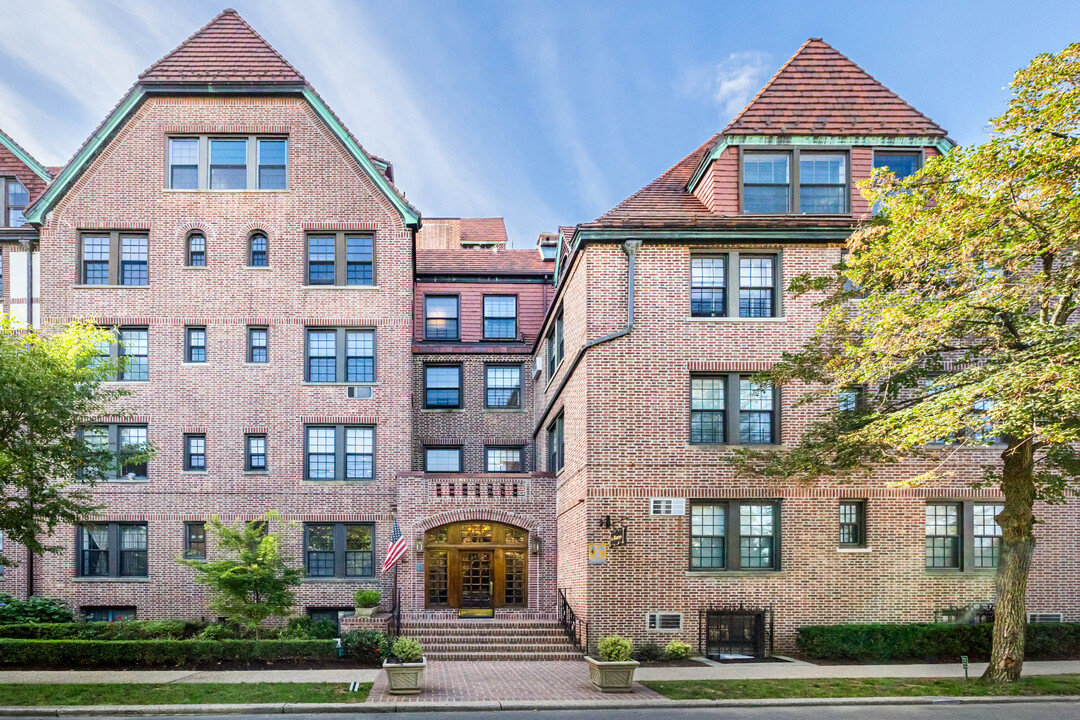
26, 158
706, 235
941, 144
411, 216
36, 212
558, 258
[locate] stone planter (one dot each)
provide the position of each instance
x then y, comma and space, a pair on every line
366, 612
404, 678
612, 677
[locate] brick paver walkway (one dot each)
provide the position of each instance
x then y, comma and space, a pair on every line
475, 681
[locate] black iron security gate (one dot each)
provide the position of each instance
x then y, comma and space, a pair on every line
735, 633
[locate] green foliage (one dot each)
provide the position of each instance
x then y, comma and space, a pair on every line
33, 610
304, 628
407, 650
648, 652
50, 389
676, 650
367, 598
366, 646
940, 642
161, 653
614, 648
128, 630
256, 582
48, 694
221, 632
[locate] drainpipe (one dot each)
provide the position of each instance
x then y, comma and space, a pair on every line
630, 247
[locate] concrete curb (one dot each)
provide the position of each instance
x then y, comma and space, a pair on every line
493, 705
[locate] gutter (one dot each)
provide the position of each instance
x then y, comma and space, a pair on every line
630, 247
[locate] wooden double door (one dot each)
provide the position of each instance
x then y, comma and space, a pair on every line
476, 565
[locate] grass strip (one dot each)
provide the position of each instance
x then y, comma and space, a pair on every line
860, 687
179, 693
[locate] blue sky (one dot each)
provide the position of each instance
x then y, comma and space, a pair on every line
545, 113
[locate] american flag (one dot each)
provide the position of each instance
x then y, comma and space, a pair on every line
397, 548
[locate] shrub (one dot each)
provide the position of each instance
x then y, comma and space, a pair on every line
367, 598
365, 646
127, 630
648, 652
304, 628
33, 610
161, 653
218, 632
407, 650
615, 649
677, 650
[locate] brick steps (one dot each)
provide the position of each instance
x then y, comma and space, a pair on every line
516, 655
491, 639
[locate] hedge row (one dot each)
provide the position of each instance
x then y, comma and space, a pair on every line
161, 653
127, 630
939, 642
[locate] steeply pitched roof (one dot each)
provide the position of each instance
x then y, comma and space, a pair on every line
225, 50
481, 262
483, 230
16, 161
819, 91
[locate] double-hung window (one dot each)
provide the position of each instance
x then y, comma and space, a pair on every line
131, 353
228, 164
341, 259
339, 452
442, 459
258, 250
195, 344
852, 523
273, 161
125, 443
810, 181
441, 317
258, 345
107, 613
943, 536
555, 447
555, 345
112, 550
708, 286
733, 409
184, 163
735, 535
743, 281
962, 535
195, 453
114, 258
194, 541
196, 250
343, 550
255, 453
503, 459
340, 355
15, 198
503, 386
442, 386
901, 163
500, 317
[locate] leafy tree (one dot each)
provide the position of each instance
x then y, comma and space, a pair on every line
256, 582
50, 389
954, 312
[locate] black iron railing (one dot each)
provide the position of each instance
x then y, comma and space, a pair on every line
576, 629
395, 617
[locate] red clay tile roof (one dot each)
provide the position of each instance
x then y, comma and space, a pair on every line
483, 230
819, 91
225, 50
481, 262
10, 164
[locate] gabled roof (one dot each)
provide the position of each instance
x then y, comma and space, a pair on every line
44, 174
819, 91
489, 230
481, 262
225, 50
17, 162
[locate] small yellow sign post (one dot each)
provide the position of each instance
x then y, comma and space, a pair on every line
597, 553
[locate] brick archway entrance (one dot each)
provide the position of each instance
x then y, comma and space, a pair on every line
476, 565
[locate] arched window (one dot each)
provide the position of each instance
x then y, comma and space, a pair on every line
258, 255
196, 250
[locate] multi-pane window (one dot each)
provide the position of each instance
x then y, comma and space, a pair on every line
16, 198
503, 459
987, 535
133, 260
852, 523
96, 259
195, 541
258, 251
445, 460
503, 386
195, 345
441, 317
131, 351
766, 182
114, 258
442, 386
339, 550
555, 446
196, 251
555, 345
943, 535
756, 410
272, 164
255, 452
339, 452
500, 317
184, 163
124, 613
258, 345
734, 535
901, 163
97, 558
851, 399
338, 354
707, 409
123, 442
823, 183
819, 184
195, 452
757, 286
341, 259
228, 164
708, 286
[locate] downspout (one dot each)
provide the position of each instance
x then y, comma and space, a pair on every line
630, 247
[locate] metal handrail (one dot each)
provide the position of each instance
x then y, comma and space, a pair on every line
576, 629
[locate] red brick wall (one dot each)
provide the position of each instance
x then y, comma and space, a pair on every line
531, 302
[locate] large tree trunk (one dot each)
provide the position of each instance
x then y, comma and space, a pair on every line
1017, 546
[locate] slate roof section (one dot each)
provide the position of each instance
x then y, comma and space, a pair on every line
12, 165
225, 51
481, 263
819, 91
484, 230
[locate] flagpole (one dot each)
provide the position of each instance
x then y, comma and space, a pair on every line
397, 597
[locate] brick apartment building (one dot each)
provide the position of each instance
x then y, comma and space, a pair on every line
300, 339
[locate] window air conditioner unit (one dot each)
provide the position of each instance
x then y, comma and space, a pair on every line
360, 392
664, 622
1045, 618
667, 506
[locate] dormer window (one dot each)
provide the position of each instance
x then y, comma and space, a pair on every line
228, 163
823, 183
811, 181
766, 183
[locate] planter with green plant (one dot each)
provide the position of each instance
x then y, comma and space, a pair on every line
405, 667
614, 671
367, 602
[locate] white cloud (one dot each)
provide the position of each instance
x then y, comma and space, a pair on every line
730, 83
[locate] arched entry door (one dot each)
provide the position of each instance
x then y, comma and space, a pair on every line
476, 565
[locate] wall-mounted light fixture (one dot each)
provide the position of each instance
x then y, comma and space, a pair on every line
537, 545
419, 543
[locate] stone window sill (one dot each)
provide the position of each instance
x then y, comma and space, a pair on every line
736, 573
854, 549
256, 267
194, 364
357, 481
111, 287
504, 410
782, 318
218, 191
258, 365
442, 410
194, 472
259, 472
339, 287
112, 579
124, 481
330, 384
195, 267
339, 580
